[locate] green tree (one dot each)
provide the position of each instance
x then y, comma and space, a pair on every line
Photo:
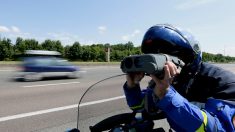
52, 45
97, 52
32, 44
136, 51
101, 56
48, 45
6, 49
129, 46
66, 51
59, 47
75, 51
117, 55
86, 54
19, 46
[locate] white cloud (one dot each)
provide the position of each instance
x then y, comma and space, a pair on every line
15, 29
22, 35
188, 4
4, 29
13, 32
230, 51
136, 31
68, 39
87, 42
102, 29
65, 38
128, 37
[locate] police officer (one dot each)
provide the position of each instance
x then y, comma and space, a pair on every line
200, 82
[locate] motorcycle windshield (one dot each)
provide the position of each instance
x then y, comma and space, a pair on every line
102, 100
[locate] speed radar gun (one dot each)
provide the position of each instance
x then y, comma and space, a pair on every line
149, 64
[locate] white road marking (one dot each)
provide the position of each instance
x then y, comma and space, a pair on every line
99, 67
52, 84
6, 70
7, 118
82, 71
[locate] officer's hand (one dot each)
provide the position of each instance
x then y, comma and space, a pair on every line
133, 79
162, 86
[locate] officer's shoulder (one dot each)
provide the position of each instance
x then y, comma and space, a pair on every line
214, 70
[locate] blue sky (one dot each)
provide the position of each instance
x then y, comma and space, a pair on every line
118, 21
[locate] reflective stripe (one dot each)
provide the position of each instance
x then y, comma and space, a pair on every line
202, 127
234, 120
138, 106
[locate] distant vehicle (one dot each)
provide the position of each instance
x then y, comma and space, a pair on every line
39, 64
42, 53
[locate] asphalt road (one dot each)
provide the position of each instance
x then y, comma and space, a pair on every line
27, 106
51, 105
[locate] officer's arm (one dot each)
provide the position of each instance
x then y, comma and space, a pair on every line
185, 115
134, 97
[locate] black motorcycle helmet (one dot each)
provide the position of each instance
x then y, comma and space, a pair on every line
166, 39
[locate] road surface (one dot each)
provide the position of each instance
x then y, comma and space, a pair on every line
51, 105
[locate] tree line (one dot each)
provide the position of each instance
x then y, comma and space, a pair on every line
78, 52
74, 52
219, 58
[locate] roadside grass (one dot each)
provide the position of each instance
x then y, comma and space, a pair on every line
9, 62
95, 63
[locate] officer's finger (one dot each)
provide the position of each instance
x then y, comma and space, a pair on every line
153, 77
171, 67
174, 68
177, 71
167, 74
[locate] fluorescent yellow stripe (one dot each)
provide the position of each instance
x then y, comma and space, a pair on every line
202, 127
138, 106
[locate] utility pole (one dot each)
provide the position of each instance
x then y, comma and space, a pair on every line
107, 51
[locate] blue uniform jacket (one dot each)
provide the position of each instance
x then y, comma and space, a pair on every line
217, 114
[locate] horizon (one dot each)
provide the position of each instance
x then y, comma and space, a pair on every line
97, 44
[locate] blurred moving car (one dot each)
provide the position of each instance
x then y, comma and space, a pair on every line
42, 64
